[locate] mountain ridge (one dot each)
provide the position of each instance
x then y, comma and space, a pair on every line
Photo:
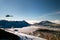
14, 24
48, 24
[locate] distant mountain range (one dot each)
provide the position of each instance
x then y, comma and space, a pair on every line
48, 24
14, 24
20, 24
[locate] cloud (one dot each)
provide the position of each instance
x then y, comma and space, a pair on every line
58, 12
33, 21
56, 21
45, 17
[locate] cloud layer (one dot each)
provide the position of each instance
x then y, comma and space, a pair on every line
56, 21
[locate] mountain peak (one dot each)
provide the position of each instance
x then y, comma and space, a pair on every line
46, 22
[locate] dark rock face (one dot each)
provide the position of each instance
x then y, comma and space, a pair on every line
7, 36
15, 24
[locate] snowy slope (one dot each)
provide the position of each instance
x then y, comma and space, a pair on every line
22, 32
25, 36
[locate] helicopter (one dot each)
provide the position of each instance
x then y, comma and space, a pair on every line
9, 16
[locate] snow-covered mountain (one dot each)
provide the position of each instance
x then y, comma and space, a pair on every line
21, 32
24, 36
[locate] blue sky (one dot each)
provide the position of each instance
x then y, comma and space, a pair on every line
30, 9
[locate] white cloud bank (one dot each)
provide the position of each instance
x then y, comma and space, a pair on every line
33, 21
56, 21
37, 21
